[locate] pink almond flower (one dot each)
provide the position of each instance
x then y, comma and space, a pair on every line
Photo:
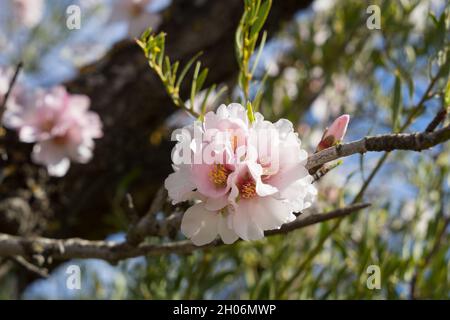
335, 133
29, 12
136, 14
256, 182
58, 123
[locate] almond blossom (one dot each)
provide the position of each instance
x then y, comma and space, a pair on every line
245, 176
29, 12
58, 123
136, 14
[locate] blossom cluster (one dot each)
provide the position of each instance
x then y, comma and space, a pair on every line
245, 176
59, 123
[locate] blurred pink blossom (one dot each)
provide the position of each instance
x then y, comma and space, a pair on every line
136, 14
58, 122
335, 133
29, 12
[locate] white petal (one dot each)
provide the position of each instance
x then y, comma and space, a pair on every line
300, 194
243, 224
178, 184
270, 213
226, 233
59, 169
262, 189
215, 204
29, 134
284, 127
200, 225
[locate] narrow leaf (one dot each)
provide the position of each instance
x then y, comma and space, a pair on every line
396, 103
186, 69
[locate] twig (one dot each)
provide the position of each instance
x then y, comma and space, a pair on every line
42, 272
5, 267
130, 209
148, 225
111, 251
11, 85
440, 116
319, 174
426, 261
317, 218
386, 142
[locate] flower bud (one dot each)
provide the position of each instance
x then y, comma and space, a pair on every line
335, 133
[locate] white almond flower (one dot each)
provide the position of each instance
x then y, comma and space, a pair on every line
256, 181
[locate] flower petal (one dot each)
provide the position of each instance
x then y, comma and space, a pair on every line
200, 225
226, 233
215, 204
243, 224
270, 213
178, 184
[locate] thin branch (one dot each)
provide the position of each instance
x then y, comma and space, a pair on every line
130, 208
11, 86
148, 225
5, 267
317, 218
112, 251
42, 272
386, 142
426, 261
440, 116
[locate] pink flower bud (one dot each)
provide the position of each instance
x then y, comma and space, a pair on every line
334, 133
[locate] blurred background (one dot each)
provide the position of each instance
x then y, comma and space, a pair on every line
321, 60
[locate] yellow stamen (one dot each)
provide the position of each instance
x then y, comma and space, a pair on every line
247, 190
219, 175
234, 143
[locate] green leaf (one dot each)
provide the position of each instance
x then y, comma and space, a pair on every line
433, 18
186, 69
396, 102
201, 79
258, 55
194, 83
406, 76
161, 53
205, 99
262, 17
174, 72
250, 114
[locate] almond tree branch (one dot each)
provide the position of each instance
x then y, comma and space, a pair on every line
149, 226
41, 272
111, 251
440, 116
386, 142
79, 248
